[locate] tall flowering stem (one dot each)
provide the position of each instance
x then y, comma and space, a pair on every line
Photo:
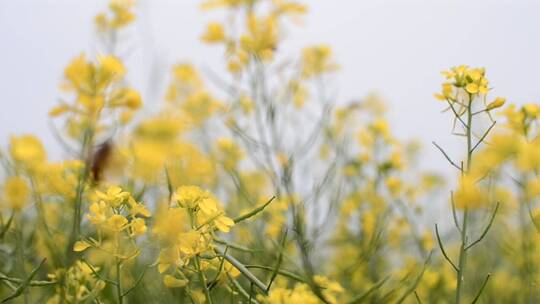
462, 250
465, 86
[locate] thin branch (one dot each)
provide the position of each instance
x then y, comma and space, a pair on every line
417, 281
454, 214
362, 297
240, 289
253, 212
24, 283
139, 279
243, 269
97, 274
483, 136
481, 289
280, 260
442, 249
487, 228
456, 114
7, 225
536, 225
417, 297
285, 273
447, 157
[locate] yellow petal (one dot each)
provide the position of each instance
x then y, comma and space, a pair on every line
173, 282
81, 246
472, 88
497, 103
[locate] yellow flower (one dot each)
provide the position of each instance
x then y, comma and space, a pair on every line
138, 227
316, 60
172, 282
299, 93
395, 185
126, 97
192, 242
81, 246
122, 14
137, 208
117, 222
214, 33
189, 196
28, 150
447, 92
110, 68
79, 73
98, 213
169, 224
58, 110
469, 194
231, 153
114, 196
472, 88
472, 80
16, 192
497, 103
532, 110
380, 127
208, 205
528, 157
223, 223
261, 38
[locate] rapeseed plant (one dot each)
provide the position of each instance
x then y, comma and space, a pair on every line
265, 190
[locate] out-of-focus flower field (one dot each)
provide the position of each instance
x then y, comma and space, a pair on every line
256, 186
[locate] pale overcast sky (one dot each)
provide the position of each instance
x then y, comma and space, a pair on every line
396, 48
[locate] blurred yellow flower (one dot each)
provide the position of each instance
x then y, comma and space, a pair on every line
16, 192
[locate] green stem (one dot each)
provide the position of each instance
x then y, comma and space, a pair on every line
203, 280
83, 176
462, 264
119, 283
527, 267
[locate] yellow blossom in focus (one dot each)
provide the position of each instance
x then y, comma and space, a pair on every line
223, 223
138, 227
497, 103
114, 196
190, 196
99, 213
117, 222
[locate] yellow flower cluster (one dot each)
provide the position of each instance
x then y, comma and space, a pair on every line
186, 229
259, 38
342, 197
316, 60
77, 284
98, 87
113, 212
465, 83
27, 151
301, 293
187, 93
121, 16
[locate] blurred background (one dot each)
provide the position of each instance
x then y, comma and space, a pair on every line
394, 48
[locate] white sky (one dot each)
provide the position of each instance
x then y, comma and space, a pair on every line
396, 48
